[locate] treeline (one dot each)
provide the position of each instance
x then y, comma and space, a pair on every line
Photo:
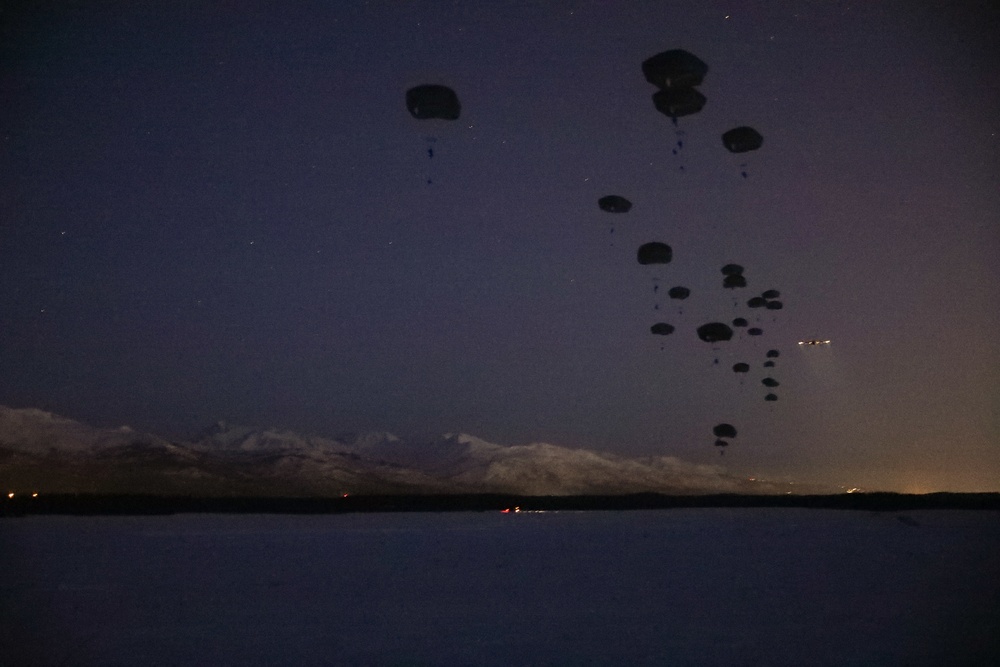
96, 504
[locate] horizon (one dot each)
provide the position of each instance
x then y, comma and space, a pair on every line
222, 437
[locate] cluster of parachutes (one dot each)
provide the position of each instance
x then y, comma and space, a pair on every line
718, 332
677, 75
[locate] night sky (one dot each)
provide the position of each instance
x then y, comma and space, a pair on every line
224, 211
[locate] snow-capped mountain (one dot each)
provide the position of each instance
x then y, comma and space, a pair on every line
40, 450
36, 431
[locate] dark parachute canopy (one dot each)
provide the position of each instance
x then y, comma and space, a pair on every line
740, 322
742, 139
771, 397
741, 368
721, 443
654, 253
769, 382
771, 294
679, 292
757, 302
772, 354
614, 204
433, 101
674, 69
662, 329
768, 364
677, 102
733, 281
755, 331
724, 431
774, 305
714, 332
732, 270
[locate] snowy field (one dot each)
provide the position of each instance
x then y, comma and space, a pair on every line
660, 587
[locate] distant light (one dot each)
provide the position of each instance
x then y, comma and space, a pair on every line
35, 494
10, 495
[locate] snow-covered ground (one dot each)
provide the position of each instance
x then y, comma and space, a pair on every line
661, 587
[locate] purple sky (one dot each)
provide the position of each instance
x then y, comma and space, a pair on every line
224, 213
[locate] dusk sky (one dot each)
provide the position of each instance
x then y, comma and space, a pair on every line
225, 211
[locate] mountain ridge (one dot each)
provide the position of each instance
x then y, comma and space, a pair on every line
48, 452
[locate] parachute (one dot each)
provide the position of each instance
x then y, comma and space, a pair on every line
674, 69
769, 382
679, 293
768, 364
742, 139
614, 204
433, 101
733, 281
771, 294
774, 305
676, 102
741, 368
755, 331
740, 322
732, 270
714, 332
661, 329
771, 397
757, 302
654, 253
724, 431
772, 354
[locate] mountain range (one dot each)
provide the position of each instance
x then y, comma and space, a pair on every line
46, 453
